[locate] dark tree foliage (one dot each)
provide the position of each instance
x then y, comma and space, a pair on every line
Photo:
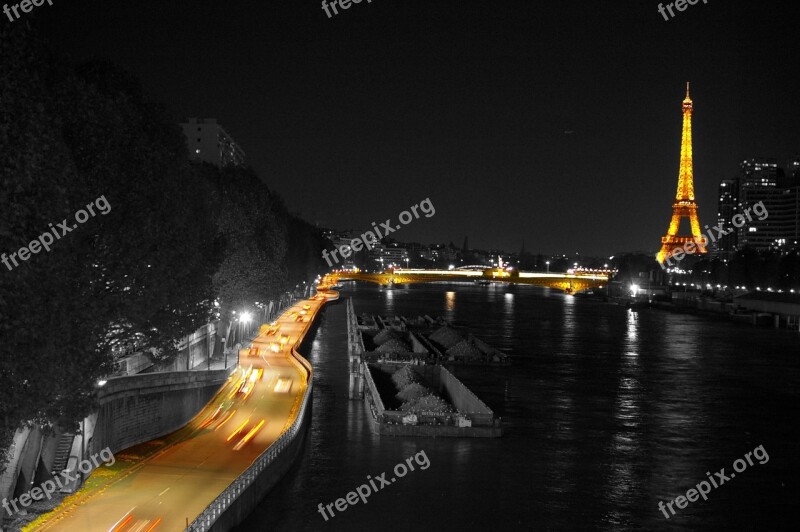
177, 237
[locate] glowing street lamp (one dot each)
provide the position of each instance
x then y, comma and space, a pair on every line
246, 318
548, 265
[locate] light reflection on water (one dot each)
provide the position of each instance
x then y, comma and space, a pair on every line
607, 411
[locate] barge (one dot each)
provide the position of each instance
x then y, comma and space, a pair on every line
407, 391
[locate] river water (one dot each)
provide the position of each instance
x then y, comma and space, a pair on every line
606, 411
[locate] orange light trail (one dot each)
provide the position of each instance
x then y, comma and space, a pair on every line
238, 429
123, 524
225, 421
249, 435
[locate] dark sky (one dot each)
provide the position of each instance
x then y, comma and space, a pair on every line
355, 118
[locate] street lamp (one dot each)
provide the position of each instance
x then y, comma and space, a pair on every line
245, 318
548, 266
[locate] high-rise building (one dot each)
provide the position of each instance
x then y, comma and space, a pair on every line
728, 198
208, 142
760, 180
793, 172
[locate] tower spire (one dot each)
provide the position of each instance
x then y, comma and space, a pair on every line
685, 205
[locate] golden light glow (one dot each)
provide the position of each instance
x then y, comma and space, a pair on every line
238, 430
123, 524
685, 205
225, 421
283, 385
570, 283
249, 435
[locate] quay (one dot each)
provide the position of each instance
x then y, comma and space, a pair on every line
226, 459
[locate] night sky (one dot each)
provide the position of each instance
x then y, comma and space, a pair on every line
554, 122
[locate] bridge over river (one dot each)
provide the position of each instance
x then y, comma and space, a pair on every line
570, 283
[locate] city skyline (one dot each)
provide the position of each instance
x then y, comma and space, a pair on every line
287, 266
536, 152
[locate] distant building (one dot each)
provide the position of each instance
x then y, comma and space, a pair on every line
208, 142
391, 254
728, 203
343, 239
793, 172
760, 180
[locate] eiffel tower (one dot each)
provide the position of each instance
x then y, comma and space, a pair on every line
685, 206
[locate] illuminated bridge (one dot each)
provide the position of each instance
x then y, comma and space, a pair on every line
570, 283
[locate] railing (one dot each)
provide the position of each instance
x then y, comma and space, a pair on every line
354, 340
213, 511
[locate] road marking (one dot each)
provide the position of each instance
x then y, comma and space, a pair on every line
163, 492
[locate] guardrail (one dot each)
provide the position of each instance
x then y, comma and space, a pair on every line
213, 511
224, 500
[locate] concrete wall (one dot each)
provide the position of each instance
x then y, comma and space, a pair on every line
139, 408
197, 347
19, 447
773, 307
463, 399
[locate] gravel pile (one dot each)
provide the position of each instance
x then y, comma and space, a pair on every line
415, 395
446, 336
405, 376
413, 392
466, 350
394, 346
384, 336
428, 403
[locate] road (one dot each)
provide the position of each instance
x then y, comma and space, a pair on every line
250, 412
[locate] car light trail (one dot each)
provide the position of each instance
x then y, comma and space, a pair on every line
123, 523
249, 435
225, 421
238, 430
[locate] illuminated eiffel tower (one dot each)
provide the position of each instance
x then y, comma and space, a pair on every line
685, 206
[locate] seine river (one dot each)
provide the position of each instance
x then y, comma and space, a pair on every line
606, 411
